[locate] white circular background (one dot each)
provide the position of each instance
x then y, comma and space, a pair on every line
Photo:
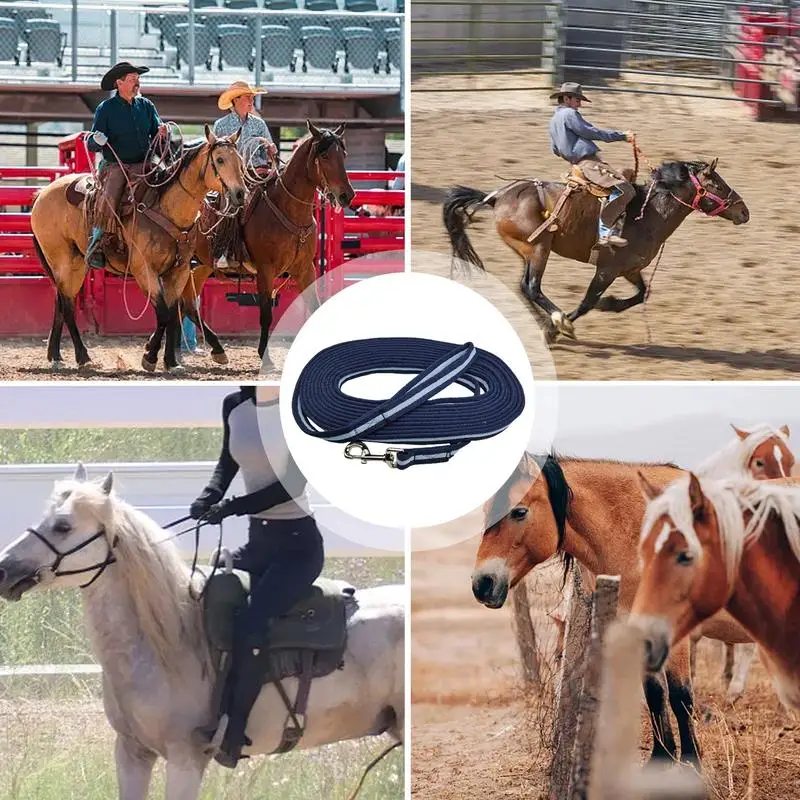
423, 306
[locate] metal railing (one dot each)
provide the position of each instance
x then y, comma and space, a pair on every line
198, 43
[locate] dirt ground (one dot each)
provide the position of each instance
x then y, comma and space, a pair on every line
722, 304
119, 358
474, 734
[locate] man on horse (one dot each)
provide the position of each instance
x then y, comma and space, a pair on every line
256, 148
124, 127
573, 139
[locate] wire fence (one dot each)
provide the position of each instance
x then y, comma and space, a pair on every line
716, 49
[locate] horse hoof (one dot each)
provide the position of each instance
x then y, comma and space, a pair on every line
220, 358
57, 365
149, 366
86, 365
178, 369
563, 325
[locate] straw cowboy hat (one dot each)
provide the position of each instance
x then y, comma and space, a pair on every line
236, 89
118, 71
574, 89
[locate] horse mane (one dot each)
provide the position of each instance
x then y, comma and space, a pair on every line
731, 498
734, 457
157, 581
189, 154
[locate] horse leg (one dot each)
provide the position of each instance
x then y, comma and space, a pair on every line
681, 699
655, 693
218, 353
264, 285
306, 285
743, 655
81, 353
184, 775
603, 278
54, 340
618, 304
134, 768
150, 357
535, 259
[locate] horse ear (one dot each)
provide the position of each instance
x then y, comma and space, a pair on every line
648, 490
80, 472
697, 500
313, 129
210, 138
708, 169
741, 434
340, 130
784, 429
236, 136
107, 483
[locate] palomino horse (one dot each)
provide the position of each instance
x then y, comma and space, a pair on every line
677, 188
280, 231
590, 511
147, 633
763, 454
160, 243
707, 545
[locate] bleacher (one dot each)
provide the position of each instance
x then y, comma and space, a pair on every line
299, 43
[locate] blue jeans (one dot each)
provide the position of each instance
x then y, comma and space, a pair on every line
602, 227
189, 336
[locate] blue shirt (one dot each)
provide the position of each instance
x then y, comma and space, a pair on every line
571, 136
130, 127
253, 129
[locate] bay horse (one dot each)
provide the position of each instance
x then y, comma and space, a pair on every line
676, 189
590, 511
707, 545
159, 241
280, 231
146, 628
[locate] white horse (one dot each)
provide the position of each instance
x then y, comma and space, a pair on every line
147, 634
760, 453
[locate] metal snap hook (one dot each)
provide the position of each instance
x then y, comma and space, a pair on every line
359, 451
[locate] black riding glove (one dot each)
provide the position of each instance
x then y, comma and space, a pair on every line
218, 512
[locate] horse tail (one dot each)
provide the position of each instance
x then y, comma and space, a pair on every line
40, 253
456, 215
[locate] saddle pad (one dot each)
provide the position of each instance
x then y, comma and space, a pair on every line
78, 189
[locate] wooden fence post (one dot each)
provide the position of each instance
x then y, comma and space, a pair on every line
576, 638
526, 637
604, 612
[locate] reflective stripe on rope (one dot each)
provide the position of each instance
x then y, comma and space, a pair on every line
413, 415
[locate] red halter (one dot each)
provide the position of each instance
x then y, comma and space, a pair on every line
700, 192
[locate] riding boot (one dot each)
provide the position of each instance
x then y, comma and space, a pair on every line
95, 256
610, 236
245, 682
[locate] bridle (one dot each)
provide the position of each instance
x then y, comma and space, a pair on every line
210, 160
701, 193
60, 556
322, 185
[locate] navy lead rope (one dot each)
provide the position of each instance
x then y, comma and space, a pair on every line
443, 425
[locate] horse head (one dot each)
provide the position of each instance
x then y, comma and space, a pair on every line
222, 170
327, 168
699, 186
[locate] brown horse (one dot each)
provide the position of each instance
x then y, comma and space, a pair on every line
280, 231
707, 545
158, 250
676, 189
590, 511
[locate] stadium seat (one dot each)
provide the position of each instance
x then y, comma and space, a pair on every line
361, 48
9, 40
235, 46
319, 48
393, 45
46, 42
202, 44
277, 47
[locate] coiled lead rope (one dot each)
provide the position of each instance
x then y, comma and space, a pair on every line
443, 425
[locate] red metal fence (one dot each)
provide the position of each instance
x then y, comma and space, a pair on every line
110, 305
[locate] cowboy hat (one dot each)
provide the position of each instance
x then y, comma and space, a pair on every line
574, 89
236, 89
119, 71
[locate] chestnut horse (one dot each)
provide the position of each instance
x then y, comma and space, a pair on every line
155, 259
590, 511
707, 545
280, 231
677, 188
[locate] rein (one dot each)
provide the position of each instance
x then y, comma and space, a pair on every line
700, 192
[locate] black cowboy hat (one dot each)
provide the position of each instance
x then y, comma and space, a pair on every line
119, 71
575, 89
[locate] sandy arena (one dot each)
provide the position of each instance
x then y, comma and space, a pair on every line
721, 305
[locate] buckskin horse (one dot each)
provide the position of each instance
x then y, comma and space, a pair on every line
280, 231
676, 189
707, 545
590, 511
152, 638
159, 238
